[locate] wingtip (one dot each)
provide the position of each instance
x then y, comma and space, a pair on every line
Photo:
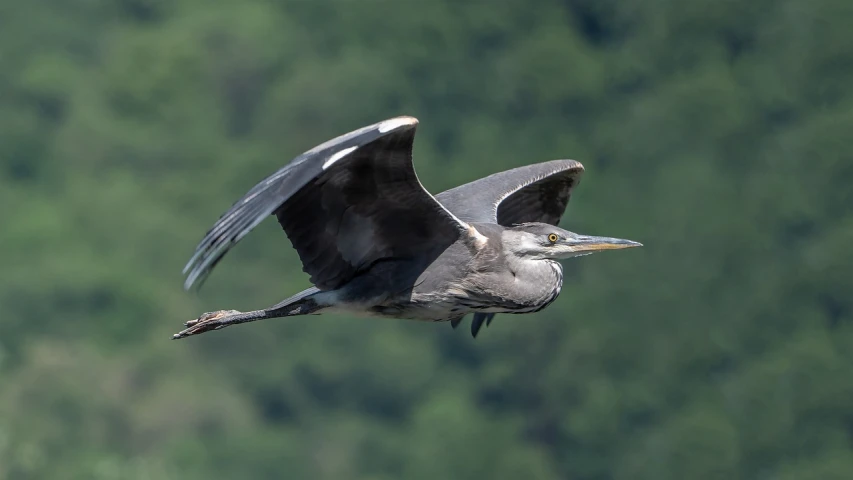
190, 280
194, 280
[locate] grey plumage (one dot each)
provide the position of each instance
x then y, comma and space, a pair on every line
375, 242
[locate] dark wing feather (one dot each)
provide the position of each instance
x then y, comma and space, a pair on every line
533, 193
344, 205
478, 320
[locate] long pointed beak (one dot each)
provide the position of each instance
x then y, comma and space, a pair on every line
586, 243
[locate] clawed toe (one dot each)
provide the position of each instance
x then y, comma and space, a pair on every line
205, 317
204, 323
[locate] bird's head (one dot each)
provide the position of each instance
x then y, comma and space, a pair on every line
542, 241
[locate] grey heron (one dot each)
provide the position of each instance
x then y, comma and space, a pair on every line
375, 242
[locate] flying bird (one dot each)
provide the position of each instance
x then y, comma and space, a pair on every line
375, 242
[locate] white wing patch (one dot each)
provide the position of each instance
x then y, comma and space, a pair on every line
337, 156
395, 123
480, 240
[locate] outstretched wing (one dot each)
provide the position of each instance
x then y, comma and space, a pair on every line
533, 193
344, 205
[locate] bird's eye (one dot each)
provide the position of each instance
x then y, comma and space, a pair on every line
552, 238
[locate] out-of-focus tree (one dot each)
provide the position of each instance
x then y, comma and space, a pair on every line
716, 133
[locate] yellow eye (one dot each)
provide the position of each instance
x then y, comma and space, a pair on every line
552, 238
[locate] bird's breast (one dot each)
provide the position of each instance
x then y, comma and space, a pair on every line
556, 282
535, 285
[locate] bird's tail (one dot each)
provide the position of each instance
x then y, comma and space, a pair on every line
299, 304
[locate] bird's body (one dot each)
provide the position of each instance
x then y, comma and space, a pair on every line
491, 282
376, 243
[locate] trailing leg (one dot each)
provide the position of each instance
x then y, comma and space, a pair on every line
299, 304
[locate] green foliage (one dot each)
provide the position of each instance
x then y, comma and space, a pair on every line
716, 133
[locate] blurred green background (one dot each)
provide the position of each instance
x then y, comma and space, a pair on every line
718, 133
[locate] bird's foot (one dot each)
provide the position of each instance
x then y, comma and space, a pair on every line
205, 323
